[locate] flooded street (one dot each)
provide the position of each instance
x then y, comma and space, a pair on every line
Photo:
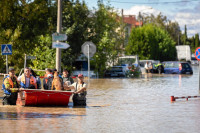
115, 106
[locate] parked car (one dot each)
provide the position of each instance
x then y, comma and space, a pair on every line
176, 67
116, 71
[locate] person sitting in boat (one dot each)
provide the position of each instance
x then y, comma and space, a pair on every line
38, 81
55, 70
80, 87
57, 83
27, 80
10, 86
67, 80
47, 81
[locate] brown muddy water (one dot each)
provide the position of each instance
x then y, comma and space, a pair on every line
116, 106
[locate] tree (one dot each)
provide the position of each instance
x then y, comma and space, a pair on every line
106, 36
151, 42
77, 25
44, 52
196, 40
21, 22
161, 21
185, 36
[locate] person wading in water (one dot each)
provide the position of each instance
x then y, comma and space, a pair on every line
80, 87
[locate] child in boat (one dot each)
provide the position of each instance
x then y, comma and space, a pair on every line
57, 82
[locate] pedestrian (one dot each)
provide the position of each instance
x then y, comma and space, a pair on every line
146, 67
67, 79
27, 80
80, 87
10, 86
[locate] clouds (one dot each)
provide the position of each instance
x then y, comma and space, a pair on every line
190, 18
184, 15
143, 9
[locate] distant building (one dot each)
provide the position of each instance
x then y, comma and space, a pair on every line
130, 22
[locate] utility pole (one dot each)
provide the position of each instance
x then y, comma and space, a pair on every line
59, 25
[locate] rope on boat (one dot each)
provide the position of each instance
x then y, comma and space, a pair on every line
184, 97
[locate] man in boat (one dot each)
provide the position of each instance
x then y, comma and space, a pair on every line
27, 80
67, 79
10, 88
47, 81
79, 97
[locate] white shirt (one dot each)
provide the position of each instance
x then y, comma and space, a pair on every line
146, 66
79, 86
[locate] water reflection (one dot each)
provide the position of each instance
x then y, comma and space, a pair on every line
28, 115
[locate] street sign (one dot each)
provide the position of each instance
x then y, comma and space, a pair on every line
88, 47
59, 37
6, 49
60, 45
31, 57
197, 53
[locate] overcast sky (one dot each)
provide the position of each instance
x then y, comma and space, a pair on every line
185, 12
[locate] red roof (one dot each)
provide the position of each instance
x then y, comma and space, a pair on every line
130, 19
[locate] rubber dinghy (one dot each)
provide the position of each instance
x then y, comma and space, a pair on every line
35, 97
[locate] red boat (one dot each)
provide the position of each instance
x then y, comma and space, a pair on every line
35, 97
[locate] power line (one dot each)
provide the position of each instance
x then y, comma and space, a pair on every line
125, 2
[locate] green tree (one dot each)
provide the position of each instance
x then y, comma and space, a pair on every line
21, 22
106, 36
44, 52
151, 42
77, 25
196, 40
161, 21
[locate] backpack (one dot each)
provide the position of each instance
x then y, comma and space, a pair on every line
47, 83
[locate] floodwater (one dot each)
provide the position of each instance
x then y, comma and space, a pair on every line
116, 106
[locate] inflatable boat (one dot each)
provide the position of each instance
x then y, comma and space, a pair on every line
36, 97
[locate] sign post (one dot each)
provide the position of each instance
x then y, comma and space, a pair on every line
28, 57
6, 49
197, 55
88, 49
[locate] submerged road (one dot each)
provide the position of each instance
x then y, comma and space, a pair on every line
117, 105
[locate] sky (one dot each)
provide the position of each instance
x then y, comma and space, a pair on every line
185, 12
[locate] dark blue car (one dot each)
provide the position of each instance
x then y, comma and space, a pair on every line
176, 67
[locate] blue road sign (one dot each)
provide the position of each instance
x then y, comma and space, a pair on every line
197, 53
6, 49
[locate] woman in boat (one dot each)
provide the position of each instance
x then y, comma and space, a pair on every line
38, 81
80, 87
10, 86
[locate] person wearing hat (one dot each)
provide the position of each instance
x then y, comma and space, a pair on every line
10, 86
80, 91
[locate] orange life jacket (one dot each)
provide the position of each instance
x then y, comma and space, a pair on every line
31, 83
